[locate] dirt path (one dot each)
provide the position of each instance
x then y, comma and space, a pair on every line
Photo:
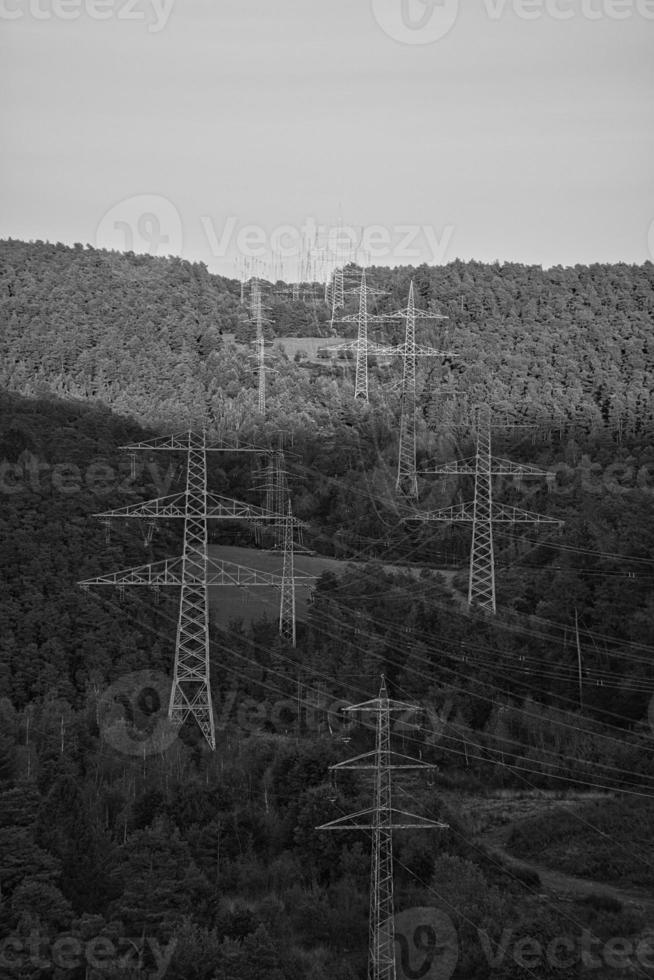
563, 887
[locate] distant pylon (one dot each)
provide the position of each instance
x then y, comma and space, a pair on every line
276, 492
362, 347
383, 819
257, 316
483, 513
481, 581
337, 293
407, 477
361, 377
287, 599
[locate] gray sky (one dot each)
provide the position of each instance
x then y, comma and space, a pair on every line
508, 129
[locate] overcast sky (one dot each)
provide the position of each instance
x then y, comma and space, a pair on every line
504, 130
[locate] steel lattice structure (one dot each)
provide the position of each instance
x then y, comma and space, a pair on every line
256, 313
407, 477
382, 819
191, 689
483, 512
361, 347
336, 292
287, 603
275, 488
194, 571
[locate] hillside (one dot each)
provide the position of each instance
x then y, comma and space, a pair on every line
218, 851
573, 344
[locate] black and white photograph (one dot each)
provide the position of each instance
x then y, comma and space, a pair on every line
327, 490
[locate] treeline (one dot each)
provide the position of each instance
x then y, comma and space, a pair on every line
152, 337
218, 852
139, 855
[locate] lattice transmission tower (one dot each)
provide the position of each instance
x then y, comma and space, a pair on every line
409, 351
256, 314
362, 347
287, 629
483, 512
336, 293
276, 494
194, 570
382, 818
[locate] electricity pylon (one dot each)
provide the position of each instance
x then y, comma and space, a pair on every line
287, 602
483, 513
193, 571
336, 293
276, 492
383, 818
362, 347
256, 313
407, 478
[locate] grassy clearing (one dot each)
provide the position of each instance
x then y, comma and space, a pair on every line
248, 604
610, 841
254, 603
311, 345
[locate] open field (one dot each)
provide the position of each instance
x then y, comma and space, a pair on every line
495, 820
253, 603
227, 603
310, 345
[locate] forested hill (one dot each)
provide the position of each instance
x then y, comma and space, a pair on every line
104, 833
147, 335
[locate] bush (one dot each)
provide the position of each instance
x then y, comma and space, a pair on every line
603, 902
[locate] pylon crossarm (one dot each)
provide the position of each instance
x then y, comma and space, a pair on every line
355, 317
179, 442
166, 572
499, 467
463, 468
503, 514
170, 571
171, 506
417, 314
416, 822
357, 762
369, 347
506, 467
458, 512
423, 821
341, 824
384, 705
216, 507
402, 350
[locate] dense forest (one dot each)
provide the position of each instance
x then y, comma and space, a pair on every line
192, 864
